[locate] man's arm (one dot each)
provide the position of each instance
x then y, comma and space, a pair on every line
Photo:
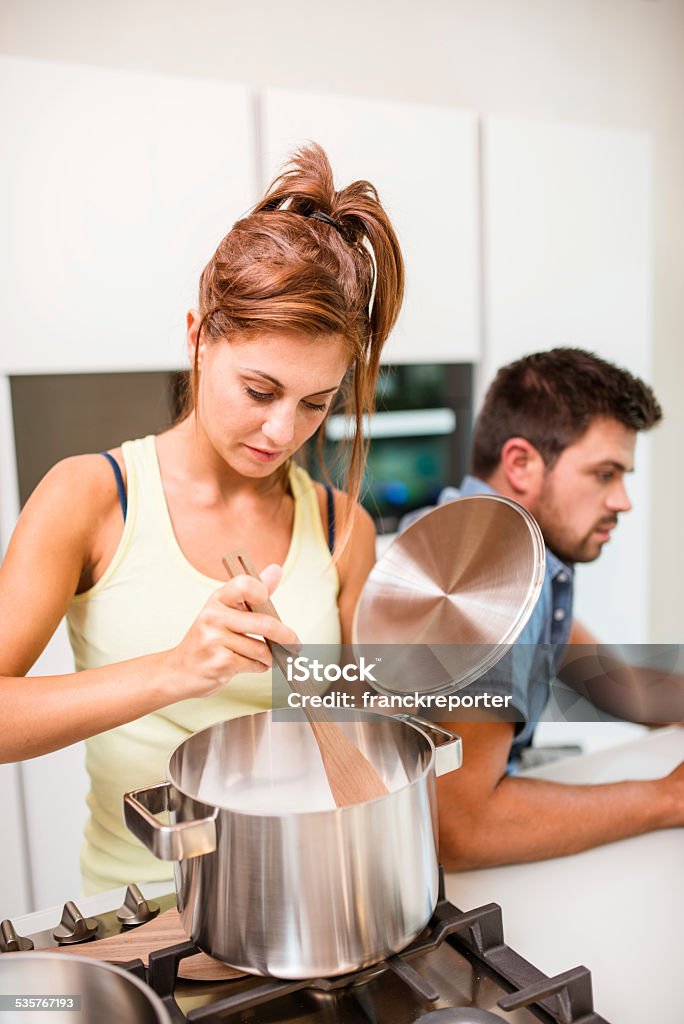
650, 694
487, 817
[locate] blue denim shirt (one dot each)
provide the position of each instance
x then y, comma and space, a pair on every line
527, 670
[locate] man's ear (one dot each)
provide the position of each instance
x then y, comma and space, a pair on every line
523, 468
192, 321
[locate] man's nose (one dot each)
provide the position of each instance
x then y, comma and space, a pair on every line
279, 426
618, 499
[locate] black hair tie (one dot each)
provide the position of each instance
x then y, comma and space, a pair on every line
325, 219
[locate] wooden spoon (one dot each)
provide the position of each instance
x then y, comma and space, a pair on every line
351, 776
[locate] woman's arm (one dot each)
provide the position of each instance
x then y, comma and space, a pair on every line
53, 549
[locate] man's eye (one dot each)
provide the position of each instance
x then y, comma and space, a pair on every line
258, 396
605, 477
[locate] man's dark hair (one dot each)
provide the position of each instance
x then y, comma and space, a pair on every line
550, 398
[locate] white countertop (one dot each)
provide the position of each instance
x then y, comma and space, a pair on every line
617, 909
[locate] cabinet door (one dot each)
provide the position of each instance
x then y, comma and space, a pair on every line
114, 193
14, 865
423, 161
567, 260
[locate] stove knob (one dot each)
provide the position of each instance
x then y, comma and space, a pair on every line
74, 927
10, 942
136, 909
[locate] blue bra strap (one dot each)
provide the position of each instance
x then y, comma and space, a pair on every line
331, 517
120, 486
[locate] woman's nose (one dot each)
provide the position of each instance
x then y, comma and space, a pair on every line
279, 426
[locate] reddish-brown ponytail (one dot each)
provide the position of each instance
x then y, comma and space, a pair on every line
280, 267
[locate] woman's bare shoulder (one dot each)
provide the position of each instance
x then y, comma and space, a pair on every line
51, 554
81, 478
73, 498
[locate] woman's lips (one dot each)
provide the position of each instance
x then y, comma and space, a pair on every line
264, 454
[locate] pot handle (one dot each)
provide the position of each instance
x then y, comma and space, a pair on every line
179, 841
448, 746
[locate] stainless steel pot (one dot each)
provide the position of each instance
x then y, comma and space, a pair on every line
104, 992
271, 876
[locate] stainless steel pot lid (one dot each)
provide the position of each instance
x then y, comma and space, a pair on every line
450, 595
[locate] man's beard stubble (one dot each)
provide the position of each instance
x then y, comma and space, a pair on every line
564, 545
588, 548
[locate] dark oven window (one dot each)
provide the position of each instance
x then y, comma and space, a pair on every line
420, 438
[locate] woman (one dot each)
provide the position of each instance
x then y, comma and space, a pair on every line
295, 304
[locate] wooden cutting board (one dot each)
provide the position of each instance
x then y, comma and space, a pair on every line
138, 943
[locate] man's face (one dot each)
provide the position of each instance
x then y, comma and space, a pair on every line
583, 494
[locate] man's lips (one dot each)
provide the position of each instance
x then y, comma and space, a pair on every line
606, 527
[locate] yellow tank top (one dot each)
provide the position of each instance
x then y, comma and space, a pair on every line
145, 602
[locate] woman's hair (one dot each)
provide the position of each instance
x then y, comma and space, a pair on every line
318, 261
550, 398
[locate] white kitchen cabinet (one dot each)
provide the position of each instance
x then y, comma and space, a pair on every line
423, 161
567, 261
54, 791
114, 193
15, 874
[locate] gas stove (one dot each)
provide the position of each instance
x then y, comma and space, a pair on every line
458, 971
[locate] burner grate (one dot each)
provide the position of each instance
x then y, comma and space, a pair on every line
564, 999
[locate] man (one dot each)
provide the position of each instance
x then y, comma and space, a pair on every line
556, 433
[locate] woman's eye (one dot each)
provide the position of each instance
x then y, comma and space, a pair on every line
258, 396
316, 407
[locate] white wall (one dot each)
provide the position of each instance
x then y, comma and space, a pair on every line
567, 261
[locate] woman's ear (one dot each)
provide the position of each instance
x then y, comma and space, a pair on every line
523, 468
192, 321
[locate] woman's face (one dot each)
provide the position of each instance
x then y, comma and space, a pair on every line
262, 396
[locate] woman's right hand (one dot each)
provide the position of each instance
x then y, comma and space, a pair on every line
224, 640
